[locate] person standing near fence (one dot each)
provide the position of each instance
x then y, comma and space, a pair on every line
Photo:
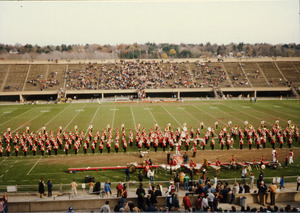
41, 187
272, 190
49, 186
298, 182
74, 188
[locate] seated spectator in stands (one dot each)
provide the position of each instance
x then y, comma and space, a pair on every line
105, 208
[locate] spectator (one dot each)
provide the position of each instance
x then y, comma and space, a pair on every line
282, 182
298, 182
70, 210
186, 182
158, 191
169, 201
105, 208
107, 188
272, 190
199, 202
262, 191
235, 190
74, 188
140, 192
187, 202
119, 188
251, 178
127, 173
204, 204
49, 186
175, 202
91, 186
123, 197
246, 188
41, 187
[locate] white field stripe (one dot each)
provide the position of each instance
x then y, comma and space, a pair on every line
287, 114
246, 114
275, 118
232, 116
133, 117
34, 165
15, 117
28, 122
74, 117
152, 116
209, 114
55, 116
3, 160
113, 119
194, 118
171, 115
92, 121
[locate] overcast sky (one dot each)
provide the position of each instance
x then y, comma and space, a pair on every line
107, 22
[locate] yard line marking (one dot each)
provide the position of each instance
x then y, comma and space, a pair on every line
15, 117
287, 114
6, 171
194, 118
73, 118
232, 116
171, 115
113, 119
34, 165
246, 113
92, 120
3, 160
269, 114
209, 115
153, 116
133, 117
1, 176
28, 122
55, 116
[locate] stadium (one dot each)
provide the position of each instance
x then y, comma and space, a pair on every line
145, 133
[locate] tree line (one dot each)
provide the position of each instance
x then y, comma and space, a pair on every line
149, 50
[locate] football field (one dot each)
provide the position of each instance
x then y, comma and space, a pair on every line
28, 170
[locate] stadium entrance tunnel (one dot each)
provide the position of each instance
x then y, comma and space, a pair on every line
52, 97
197, 94
84, 96
237, 93
275, 94
162, 94
9, 98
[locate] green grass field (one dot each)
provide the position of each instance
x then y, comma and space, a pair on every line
28, 170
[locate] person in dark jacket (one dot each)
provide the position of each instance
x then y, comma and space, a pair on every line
140, 192
41, 187
262, 191
49, 186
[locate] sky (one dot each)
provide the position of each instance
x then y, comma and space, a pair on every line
178, 21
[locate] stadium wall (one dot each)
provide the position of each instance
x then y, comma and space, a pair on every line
92, 204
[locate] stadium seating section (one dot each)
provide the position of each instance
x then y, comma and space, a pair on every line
146, 75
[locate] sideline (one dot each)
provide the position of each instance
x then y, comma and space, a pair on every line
133, 118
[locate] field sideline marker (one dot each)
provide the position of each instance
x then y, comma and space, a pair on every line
34, 165
133, 117
73, 118
171, 115
3, 160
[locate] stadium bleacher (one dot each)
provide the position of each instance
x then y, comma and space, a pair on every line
149, 75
